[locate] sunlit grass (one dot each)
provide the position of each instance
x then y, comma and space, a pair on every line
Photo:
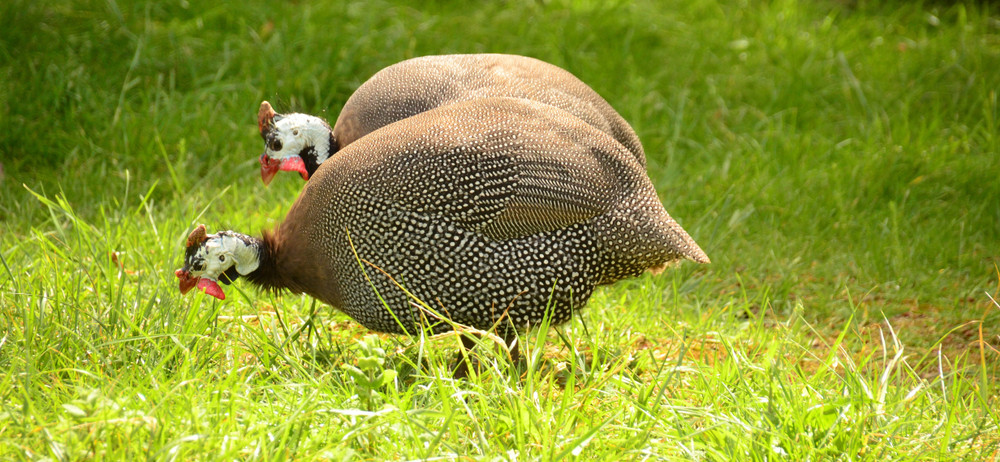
838, 162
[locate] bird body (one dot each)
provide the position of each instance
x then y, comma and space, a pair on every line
420, 84
492, 211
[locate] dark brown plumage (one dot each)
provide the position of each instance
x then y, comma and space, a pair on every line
489, 210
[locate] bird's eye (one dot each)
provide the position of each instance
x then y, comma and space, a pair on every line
222, 258
295, 132
276, 145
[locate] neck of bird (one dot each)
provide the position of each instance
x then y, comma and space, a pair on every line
322, 145
254, 259
332, 145
321, 141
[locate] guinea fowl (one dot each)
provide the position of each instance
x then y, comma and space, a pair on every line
496, 212
300, 142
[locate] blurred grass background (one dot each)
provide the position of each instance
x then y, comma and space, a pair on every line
838, 161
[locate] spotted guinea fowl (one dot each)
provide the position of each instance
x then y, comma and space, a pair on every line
300, 142
496, 212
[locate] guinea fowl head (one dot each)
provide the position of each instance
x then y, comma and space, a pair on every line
292, 142
210, 258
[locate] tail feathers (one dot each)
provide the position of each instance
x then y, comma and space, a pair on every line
681, 243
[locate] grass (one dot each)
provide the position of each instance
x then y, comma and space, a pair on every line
838, 161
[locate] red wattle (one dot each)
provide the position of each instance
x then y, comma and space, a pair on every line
211, 287
294, 164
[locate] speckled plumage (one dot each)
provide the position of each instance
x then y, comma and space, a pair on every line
416, 85
420, 84
478, 208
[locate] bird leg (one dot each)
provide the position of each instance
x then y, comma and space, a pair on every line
463, 361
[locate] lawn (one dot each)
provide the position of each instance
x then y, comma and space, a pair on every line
839, 161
